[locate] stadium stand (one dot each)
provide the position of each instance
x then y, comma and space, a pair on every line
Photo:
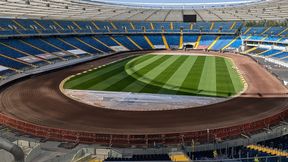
124, 41
41, 51
157, 41
179, 157
206, 41
271, 150
37, 36
140, 41
270, 52
173, 41
268, 42
148, 157
190, 38
28, 26
267, 150
35, 51
222, 42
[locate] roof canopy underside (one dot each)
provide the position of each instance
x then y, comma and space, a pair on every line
175, 5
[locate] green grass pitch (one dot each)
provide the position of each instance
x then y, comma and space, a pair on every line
164, 74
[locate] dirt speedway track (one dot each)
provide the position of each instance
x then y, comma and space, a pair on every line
37, 106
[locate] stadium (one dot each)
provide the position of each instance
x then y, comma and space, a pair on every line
143, 80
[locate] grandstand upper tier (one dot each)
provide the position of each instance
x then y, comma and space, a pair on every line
30, 26
132, 10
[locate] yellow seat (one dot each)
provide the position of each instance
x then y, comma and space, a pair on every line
179, 157
267, 150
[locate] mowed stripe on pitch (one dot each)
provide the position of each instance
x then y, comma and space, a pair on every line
118, 77
141, 60
236, 80
99, 75
207, 83
134, 69
149, 70
140, 70
180, 74
154, 72
224, 84
83, 81
126, 79
191, 82
165, 74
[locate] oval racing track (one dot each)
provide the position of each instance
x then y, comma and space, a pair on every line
38, 102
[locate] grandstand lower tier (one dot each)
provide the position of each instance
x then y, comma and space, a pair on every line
36, 106
251, 153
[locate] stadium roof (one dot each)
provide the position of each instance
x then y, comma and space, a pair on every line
101, 10
176, 4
